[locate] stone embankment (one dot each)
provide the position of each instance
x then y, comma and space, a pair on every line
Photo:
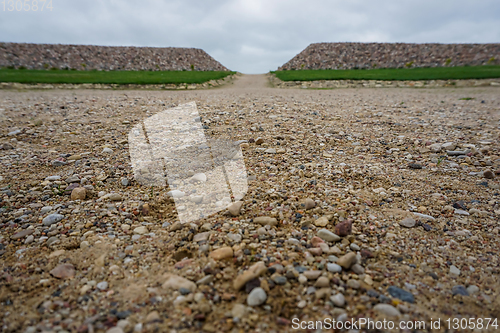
94, 57
392, 55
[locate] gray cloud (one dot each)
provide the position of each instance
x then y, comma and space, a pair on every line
253, 36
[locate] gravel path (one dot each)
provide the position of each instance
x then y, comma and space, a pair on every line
360, 203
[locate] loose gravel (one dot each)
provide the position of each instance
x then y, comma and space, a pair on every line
361, 203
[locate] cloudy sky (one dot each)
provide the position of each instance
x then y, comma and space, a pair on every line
251, 36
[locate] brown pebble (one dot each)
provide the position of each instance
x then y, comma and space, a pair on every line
254, 271
222, 253
21, 234
344, 228
235, 207
309, 203
366, 254
153, 317
347, 260
145, 210
63, 271
265, 220
316, 251
78, 193
322, 282
488, 174
315, 241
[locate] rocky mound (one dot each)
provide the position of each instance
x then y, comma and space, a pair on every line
89, 57
392, 55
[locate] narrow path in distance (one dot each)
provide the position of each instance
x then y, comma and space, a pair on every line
249, 81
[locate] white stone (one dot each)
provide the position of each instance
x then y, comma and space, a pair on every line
199, 177
176, 194
454, 270
107, 151
338, 300
256, 297
140, 230
328, 236
102, 285
387, 310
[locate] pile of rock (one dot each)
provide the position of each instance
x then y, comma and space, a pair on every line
392, 55
93, 57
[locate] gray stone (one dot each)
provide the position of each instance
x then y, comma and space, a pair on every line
102, 285
436, 147
459, 290
449, 145
52, 218
472, 289
358, 269
52, 240
354, 284
16, 132
401, 294
456, 152
408, 222
334, 268
45, 209
454, 270
338, 300
73, 179
256, 297
279, 280
29, 239
58, 163
21, 234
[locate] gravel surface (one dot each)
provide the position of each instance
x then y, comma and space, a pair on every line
361, 203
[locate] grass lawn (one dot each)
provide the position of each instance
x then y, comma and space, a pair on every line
402, 74
108, 77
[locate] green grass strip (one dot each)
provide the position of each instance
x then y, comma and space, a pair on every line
392, 74
109, 77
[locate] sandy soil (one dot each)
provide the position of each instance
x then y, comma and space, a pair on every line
405, 182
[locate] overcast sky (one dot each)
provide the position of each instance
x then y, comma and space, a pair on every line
252, 36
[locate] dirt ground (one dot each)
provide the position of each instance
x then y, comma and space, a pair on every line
361, 203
